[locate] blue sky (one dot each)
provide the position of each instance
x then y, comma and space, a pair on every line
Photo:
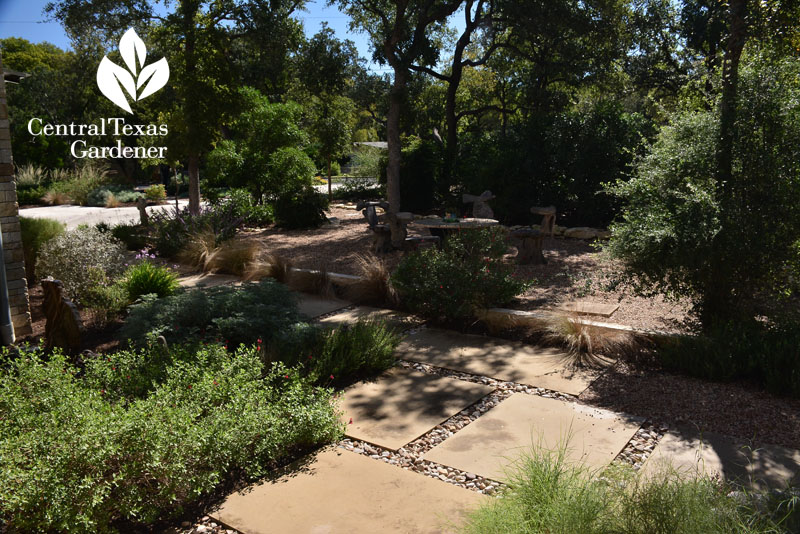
23, 18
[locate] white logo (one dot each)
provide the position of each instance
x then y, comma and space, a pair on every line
111, 78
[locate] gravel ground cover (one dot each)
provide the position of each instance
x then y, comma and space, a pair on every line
574, 269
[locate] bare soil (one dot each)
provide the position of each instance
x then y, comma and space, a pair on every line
575, 270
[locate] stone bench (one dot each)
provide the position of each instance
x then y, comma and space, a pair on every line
529, 245
548, 214
382, 233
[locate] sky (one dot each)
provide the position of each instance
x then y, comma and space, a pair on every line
24, 18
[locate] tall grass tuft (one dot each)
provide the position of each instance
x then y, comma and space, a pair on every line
29, 176
270, 266
586, 343
547, 494
374, 286
315, 282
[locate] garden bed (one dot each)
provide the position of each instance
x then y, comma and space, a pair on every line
574, 270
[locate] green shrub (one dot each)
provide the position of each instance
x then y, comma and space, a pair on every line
31, 195
241, 203
80, 258
156, 193
547, 493
36, 232
684, 234
352, 352
107, 301
467, 274
146, 278
302, 208
339, 356
765, 355
133, 236
359, 189
231, 314
100, 196
103, 454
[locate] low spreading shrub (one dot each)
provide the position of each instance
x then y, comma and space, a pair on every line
146, 278
301, 208
466, 275
766, 355
31, 195
156, 193
338, 356
240, 201
548, 493
169, 231
145, 434
133, 236
106, 194
35, 233
234, 315
106, 301
80, 258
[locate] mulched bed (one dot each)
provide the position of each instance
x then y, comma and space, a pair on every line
574, 270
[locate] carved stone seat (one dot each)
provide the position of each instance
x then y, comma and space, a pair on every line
480, 208
548, 214
529, 245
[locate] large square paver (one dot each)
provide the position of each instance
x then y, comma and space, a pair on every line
208, 280
402, 405
314, 306
398, 320
505, 360
497, 438
340, 492
758, 468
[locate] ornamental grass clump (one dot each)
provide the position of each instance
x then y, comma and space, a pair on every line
466, 275
547, 493
146, 278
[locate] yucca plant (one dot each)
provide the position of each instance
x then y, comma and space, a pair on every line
587, 343
145, 278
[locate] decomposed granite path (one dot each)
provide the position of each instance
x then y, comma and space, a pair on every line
461, 409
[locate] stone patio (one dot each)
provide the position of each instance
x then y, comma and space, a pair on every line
501, 359
402, 405
313, 306
497, 438
398, 320
336, 491
693, 453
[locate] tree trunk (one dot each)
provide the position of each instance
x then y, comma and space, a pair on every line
395, 153
194, 184
719, 295
330, 187
730, 82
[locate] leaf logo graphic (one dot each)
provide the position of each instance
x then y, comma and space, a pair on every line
138, 81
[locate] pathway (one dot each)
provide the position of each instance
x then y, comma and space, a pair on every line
459, 409
73, 216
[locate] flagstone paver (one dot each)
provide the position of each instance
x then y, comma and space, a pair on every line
498, 437
403, 404
505, 360
207, 280
693, 453
314, 306
584, 307
337, 491
399, 320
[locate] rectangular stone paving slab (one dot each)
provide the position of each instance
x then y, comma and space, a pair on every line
495, 440
584, 307
401, 321
208, 280
403, 404
692, 453
340, 492
505, 360
314, 306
